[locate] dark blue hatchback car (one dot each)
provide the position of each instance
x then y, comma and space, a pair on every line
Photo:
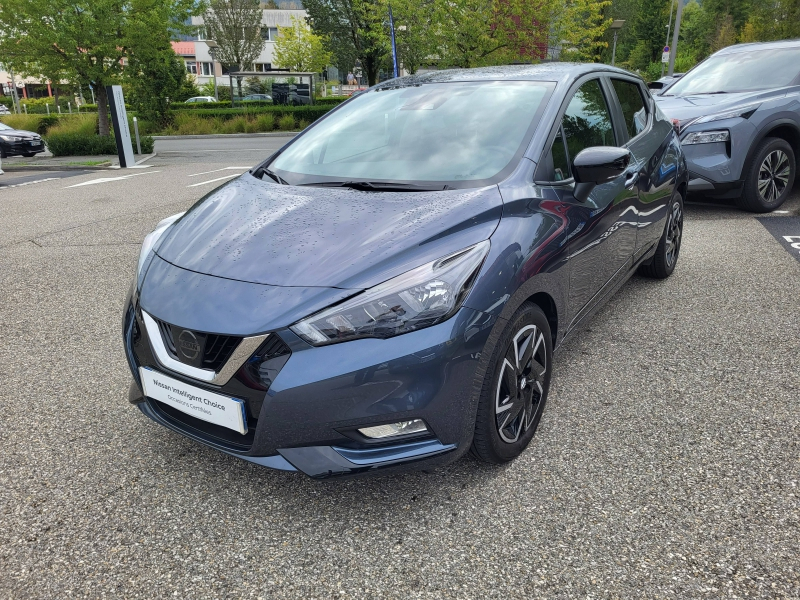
387, 290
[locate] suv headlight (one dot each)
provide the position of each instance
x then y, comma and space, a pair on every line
150, 241
706, 137
419, 298
9, 138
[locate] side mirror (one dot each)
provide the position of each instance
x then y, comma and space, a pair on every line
597, 165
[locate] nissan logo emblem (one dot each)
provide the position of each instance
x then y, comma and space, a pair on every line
188, 344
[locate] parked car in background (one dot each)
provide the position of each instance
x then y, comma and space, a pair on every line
201, 99
738, 117
14, 142
257, 97
387, 291
4, 110
665, 81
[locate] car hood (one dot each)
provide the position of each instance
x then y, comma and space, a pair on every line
692, 106
19, 133
261, 232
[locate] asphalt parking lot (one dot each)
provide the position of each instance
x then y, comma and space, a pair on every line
666, 465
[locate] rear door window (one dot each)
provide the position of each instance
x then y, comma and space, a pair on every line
630, 99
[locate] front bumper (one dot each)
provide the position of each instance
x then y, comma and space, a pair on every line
308, 418
21, 147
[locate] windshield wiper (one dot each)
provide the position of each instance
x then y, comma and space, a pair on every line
275, 176
378, 186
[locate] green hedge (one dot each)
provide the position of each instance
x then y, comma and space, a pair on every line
301, 113
79, 144
7, 102
331, 100
222, 104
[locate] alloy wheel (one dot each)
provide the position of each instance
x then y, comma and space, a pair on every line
520, 387
674, 232
773, 176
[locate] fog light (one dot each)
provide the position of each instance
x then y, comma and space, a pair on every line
395, 429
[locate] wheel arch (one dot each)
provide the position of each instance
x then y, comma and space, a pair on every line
548, 305
785, 129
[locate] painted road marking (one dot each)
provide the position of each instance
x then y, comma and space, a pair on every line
786, 230
15, 185
213, 180
222, 169
108, 179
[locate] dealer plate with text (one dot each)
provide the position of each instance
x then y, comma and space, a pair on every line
197, 402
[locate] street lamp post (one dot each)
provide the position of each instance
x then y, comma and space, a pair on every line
669, 26
616, 25
213, 48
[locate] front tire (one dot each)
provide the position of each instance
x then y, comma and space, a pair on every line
664, 260
771, 177
515, 388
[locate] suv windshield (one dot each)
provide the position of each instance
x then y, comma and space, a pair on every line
740, 72
456, 134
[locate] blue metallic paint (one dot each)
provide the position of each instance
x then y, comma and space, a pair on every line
254, 231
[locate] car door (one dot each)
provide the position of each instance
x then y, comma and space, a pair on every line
602, 235
636, 115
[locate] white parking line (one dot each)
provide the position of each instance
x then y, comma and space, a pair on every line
222, 169
213, 180
107, 179
14, 185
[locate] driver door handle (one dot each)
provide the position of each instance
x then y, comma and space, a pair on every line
631, 180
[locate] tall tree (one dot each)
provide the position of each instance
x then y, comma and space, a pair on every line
650, 28
236, 26
300, 49
739, 10
581, 27
415, 42
354, 30
86, 40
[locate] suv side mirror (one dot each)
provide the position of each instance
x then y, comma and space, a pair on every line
597, 165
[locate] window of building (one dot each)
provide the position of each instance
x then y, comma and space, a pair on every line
191, 67
201, 33
269, 34
206, 69
262, 67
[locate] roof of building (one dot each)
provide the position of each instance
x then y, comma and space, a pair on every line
183, 48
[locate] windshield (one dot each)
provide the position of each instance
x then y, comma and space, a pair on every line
740, 72
451, 133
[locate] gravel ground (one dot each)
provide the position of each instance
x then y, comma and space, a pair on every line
666, 464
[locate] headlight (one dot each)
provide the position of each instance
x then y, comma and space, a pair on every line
419, 298
8, 138
706, 137
743, 111
150, 241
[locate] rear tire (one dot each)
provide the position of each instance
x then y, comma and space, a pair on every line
770, 178
515, 387
664, 260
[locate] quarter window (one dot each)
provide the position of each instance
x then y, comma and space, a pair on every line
587, 121
561, 170
630, 99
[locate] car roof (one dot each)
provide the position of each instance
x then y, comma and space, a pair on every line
737, 48
553, 71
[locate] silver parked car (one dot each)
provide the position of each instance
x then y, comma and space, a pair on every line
738, 117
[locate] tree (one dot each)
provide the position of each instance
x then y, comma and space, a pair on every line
300, 49
353, 30
581, 26
415, 43
471, 33
650, 27
236, 27
85, 40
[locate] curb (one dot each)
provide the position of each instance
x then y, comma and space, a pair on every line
226, 135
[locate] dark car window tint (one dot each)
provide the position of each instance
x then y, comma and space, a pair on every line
630, 99
559, 156
587, 121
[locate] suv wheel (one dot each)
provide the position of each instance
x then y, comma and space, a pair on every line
515, 387
771, 176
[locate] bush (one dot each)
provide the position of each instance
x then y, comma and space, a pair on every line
85, 124
307, 113
7, 102
82, 144
286, 123
38, 123
335, 100
266, 122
